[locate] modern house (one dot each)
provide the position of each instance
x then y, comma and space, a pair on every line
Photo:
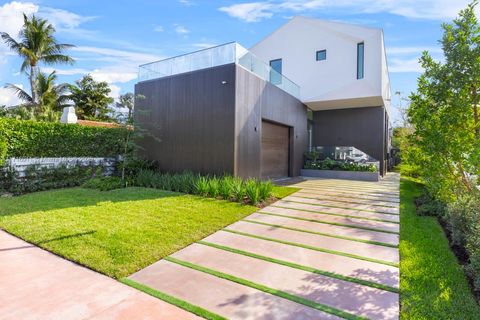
253, 113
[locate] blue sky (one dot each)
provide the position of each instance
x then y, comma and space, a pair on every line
113, 37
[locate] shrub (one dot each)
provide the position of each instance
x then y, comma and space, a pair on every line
47, 139
147, 178
3, 150
252, 191
213, 187
238, 189
201, 186
104, 183
428, 206
329, 164
463, 218
265, 189
37, 178
225, 187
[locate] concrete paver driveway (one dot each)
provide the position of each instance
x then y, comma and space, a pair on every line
329, 251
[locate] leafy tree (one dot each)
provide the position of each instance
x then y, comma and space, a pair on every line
37, 45
127, 101
52, 98
444, 110
91, 98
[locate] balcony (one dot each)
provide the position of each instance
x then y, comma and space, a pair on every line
216, 56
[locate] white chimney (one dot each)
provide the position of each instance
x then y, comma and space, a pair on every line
68, 115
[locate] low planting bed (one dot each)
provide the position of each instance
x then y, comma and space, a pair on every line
332, 169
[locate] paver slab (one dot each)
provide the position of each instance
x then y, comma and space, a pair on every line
356, 206
347, 196
340, 199
360, 269
354, 233
223, 297
365, 250
343, 295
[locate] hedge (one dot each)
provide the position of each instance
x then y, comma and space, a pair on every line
46, 139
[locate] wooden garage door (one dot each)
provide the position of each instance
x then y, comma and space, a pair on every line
275, 142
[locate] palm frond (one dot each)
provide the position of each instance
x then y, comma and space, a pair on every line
21, 94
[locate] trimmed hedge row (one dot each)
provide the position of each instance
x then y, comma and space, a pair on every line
21, 138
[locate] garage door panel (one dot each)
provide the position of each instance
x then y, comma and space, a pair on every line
275, 150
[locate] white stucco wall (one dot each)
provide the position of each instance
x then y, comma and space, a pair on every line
332, 83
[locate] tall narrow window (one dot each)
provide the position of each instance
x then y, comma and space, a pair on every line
360, 60
276, 71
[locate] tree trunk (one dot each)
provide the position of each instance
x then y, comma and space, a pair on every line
32, 84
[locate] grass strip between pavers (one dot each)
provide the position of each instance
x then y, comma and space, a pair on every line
353, 192
199, 311
378, 243
339, 207
302, 267
335, 214
305, 246
346, 201
260, 287
310, 193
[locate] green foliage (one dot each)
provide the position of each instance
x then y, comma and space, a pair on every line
444, 111
252, 191
42, 139
3, 150
43, 178
329, 164
427, 205
432, 283
225, 187
104, 183
91, 98
312, 155
463, 217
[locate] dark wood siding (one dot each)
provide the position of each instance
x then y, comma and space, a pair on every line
363, 128
189, 120
275, 150
258, 100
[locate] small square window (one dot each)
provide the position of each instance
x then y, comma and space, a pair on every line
321, 55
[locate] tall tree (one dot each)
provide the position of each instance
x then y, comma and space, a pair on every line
51, 97
91, 98
37, 45
127, 101
444, 110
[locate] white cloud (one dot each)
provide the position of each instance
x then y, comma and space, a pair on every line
113, 75
186, 2
250, 12
8, 97
115, 91
62, 18
420, 9
181, 29
158, 29
404, 65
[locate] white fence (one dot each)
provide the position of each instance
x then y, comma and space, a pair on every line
20, 165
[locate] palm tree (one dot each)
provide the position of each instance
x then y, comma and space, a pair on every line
37, 44
52, 98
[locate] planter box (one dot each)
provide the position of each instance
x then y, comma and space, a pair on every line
334, 174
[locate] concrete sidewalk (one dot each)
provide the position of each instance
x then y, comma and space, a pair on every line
36, 284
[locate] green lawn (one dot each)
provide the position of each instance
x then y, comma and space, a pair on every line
280, 192
432, 283
115, 232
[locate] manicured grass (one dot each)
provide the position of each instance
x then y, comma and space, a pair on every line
115, 232
432, 283
281, 192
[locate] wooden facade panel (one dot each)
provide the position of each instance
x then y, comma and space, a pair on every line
189, 120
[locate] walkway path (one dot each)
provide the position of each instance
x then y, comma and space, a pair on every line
35, 284
329, 251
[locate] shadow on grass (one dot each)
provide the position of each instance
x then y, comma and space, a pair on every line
76, 197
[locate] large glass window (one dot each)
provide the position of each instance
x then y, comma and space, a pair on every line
276, 71
360, 60
321, 55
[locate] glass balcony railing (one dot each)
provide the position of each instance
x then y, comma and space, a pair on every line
217, 56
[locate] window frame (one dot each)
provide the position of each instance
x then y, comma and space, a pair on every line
360, 60
320, 51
